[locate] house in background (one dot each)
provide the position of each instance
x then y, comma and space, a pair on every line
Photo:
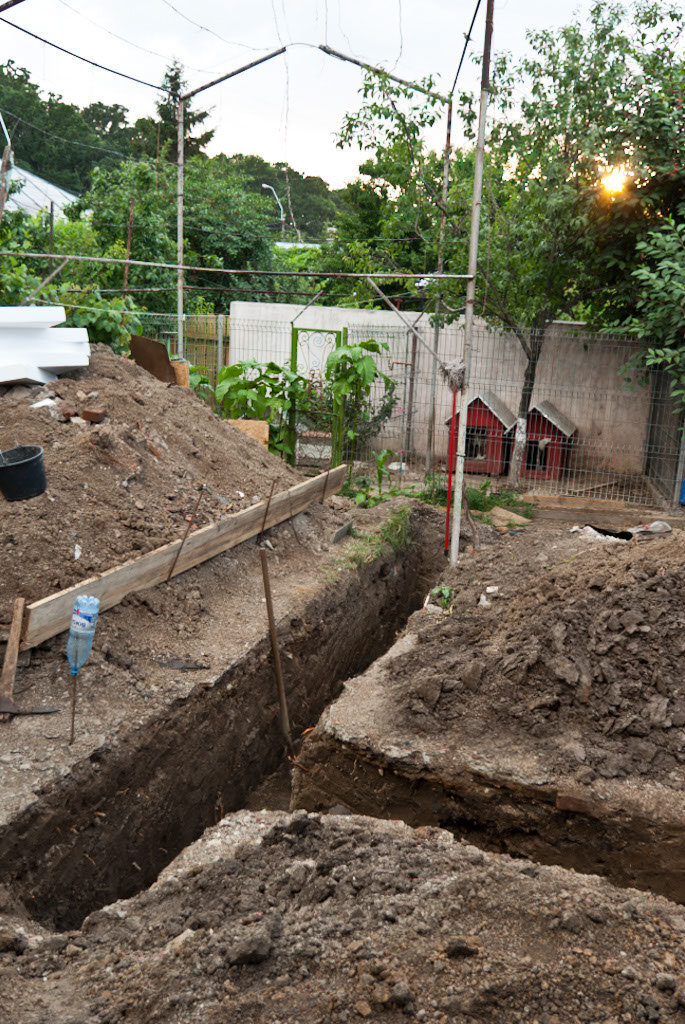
37, 194
548, 442
488, 434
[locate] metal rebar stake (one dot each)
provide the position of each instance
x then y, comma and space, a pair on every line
285, 719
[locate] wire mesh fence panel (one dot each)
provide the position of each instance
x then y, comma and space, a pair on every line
593, 429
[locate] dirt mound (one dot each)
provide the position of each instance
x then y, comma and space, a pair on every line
585, 656
121, 487
278, 918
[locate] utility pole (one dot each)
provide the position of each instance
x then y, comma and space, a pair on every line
180, 135
471, 284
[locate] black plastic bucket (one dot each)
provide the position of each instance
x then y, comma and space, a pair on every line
22, 474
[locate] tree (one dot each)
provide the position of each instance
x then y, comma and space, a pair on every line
55, 139
225, 226
551, 238
307, 201
661, 301
158, 136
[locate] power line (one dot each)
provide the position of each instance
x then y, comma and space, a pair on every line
70, 142
466, 43
203, 28
86, 60
123, 39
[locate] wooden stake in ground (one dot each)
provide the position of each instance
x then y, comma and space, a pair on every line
285, 719
9, 668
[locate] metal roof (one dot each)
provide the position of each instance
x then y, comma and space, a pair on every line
556, 418
496, 407
36, 194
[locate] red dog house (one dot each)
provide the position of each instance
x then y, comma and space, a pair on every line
548, 442
488, 423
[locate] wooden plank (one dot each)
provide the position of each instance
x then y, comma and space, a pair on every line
258, 430
9, 668
600, 504
52, 615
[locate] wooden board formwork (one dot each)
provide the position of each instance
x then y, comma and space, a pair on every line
52, 615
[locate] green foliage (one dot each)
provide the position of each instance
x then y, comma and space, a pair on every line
308, 204
225, 226
153, 137
110, 320
481, 499
45, 128
395, 531
49, 148
444, 595
262, 391
351, 373
661, 302
381, 472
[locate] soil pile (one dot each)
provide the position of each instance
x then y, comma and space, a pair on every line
584, 659
121, 487
300, 918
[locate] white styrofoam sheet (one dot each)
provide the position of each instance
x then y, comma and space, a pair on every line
23, 373
25, 317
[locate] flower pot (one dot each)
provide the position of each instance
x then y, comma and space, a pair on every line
22, 474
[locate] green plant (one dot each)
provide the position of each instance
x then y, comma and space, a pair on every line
381, 471
258, 391
351, 372
395, 531
444, 595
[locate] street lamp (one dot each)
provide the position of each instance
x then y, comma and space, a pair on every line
280, 207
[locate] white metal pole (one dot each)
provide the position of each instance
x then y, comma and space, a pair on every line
471, 286
219, 342
179, 228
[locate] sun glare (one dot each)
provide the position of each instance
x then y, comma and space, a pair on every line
614, 180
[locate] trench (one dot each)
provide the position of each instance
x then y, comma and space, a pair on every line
627, 845
106, 830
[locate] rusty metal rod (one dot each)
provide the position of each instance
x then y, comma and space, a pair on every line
285, 719
185, 535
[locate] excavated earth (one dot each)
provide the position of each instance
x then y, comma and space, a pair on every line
547, 724
308, 919
550, 724
118, 488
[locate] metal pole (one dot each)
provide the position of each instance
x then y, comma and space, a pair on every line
128, 243
179, 228
441, 266
278, 671
382, 275
471, 285
219, 342
52, 224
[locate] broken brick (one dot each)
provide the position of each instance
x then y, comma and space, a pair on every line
93, 415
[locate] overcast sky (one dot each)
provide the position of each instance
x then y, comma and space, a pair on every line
289, 109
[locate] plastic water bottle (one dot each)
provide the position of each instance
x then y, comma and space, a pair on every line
81, 631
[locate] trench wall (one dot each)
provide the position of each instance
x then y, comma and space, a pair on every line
106, 830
